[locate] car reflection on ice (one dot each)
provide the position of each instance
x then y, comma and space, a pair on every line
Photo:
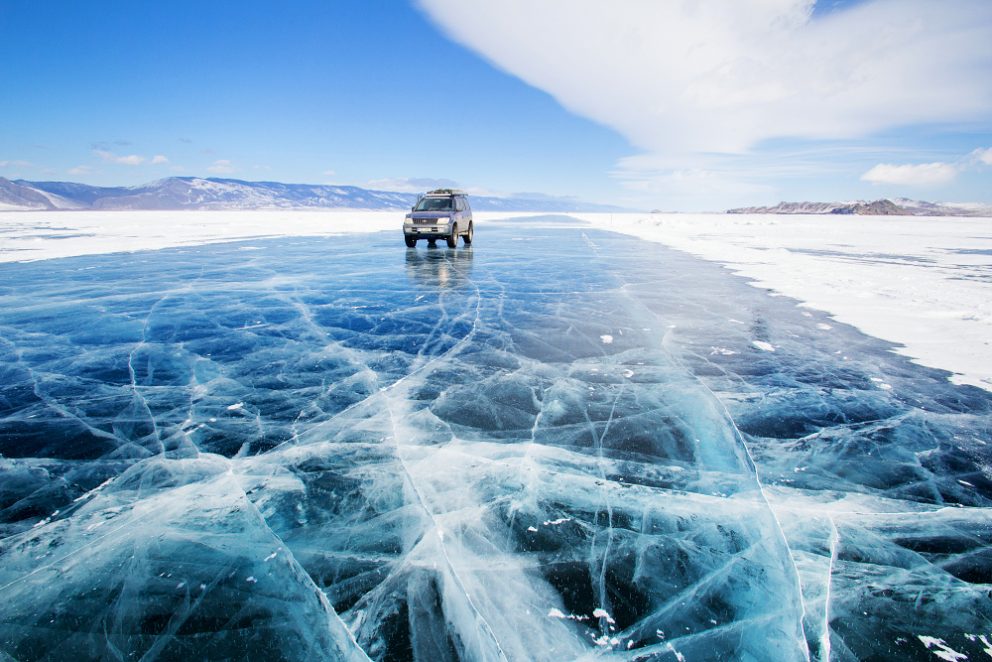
439, 268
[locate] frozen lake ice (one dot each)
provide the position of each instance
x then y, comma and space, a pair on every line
559, 444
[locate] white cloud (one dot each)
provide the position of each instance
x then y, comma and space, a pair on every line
15, 164
724, 75
922, 174
110, 157
129, 160
927, 174
221, 167
81, 170
329, 173
983, 155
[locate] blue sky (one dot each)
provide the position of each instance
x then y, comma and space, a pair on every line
397, 95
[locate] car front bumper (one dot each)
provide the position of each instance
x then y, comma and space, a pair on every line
431, 231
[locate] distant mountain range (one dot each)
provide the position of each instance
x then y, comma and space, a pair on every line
215, 193
897, 207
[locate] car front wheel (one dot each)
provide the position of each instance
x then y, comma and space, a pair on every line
410, 242
452, 238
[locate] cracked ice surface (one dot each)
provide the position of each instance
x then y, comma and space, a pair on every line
340, 449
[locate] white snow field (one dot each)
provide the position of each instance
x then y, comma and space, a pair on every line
43, 235
923, 283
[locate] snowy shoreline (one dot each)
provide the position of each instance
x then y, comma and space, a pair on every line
922, 283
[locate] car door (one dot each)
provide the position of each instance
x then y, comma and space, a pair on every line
459, 214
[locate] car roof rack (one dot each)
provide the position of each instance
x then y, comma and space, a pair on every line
446, 191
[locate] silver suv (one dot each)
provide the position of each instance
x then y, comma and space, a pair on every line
441, 214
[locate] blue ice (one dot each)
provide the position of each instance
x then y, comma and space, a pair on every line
574, 446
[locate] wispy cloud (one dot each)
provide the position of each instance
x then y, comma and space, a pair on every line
221, 167
410, 184
920, 174
109, 145
983, 155
110, 157
15, 164
81, 170
696, 183
422, 184
159, 159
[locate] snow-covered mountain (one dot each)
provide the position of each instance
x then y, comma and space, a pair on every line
215, 193
923, 208
21, 195
898, 207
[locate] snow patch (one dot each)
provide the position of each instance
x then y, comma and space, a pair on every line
602, 613
940, 648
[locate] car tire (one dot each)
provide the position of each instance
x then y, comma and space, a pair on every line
411, 242
467, 237
452, 238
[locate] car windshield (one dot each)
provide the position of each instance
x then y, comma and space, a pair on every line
433, 204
